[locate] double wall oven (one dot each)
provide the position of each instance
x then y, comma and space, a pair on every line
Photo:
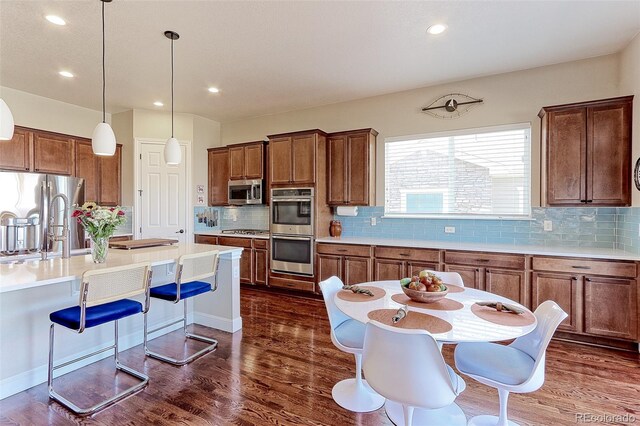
291, 226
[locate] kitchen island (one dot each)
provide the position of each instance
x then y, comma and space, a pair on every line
31, 290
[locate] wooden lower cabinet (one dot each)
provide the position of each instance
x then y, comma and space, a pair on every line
246, 267
610, 307
328, 266
506, 283
261, 266
599, 304
387, 269
357, 270
471, 276
562, 289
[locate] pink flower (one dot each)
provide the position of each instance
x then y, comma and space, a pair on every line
76, 213
120, 213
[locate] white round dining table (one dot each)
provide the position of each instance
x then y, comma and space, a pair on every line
466, 326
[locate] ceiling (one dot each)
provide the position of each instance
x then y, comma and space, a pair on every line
268, 57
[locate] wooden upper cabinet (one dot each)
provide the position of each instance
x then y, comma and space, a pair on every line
16, 153
246, 161
280, 160
53, 153
218, 176
109, 193
586, 153
294, 158
236, 163
303, 157
87, 167
254, 161
351, 168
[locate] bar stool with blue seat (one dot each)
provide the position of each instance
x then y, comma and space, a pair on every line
192, 270
104, 297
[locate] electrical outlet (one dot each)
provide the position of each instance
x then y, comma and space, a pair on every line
374, 221
548, 225
449, 229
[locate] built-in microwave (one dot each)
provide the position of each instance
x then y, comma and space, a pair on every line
245, 192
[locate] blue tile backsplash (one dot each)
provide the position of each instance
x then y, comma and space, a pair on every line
571, 227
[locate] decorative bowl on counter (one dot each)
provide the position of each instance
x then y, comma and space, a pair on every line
424, 288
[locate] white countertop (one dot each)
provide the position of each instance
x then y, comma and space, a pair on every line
34, 273
597, 253
221, 234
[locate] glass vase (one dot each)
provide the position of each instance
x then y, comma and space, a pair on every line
99, 249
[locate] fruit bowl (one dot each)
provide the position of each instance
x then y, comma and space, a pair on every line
425, 296
424, 288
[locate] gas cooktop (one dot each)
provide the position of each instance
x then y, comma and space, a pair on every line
261, 232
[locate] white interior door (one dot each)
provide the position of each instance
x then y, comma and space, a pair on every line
163, 200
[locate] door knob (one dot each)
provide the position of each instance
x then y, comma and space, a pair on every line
180, 231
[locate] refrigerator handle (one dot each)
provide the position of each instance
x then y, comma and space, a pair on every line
44, 220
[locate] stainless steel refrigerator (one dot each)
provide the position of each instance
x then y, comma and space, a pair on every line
28, 217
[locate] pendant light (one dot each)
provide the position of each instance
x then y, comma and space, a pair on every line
172, 154
103, 141
6, 122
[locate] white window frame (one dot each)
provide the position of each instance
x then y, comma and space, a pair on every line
462, 132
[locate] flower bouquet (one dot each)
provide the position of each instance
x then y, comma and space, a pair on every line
100, 223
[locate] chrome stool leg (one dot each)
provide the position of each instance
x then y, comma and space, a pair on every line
144, 379
213, 343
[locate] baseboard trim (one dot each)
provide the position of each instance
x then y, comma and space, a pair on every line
28, 379
213, 321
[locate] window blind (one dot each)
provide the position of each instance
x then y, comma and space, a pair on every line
477, 172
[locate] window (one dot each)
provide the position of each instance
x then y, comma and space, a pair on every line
477, 172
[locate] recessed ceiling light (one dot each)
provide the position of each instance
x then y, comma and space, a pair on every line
158, 103
214, 89
437, 29
55, 20
66, 74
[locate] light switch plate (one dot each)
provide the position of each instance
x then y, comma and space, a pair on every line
374, 222
548, 225
449, 229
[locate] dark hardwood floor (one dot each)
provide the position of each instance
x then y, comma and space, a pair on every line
280, 370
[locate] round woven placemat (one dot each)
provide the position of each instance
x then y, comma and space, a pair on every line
350, 296
441, 305
454, 288
503, 318
413, 320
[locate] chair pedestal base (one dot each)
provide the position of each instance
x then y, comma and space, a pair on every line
489, 421
450, 415
357, 398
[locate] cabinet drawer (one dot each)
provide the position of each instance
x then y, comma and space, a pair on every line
291, 284
235, 242
494, 260
344, 250
260, 244
585, 266
407, 254
206, 239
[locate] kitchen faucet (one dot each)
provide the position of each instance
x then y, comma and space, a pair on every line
64, 237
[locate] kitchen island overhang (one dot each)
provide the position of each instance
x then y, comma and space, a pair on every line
30, 291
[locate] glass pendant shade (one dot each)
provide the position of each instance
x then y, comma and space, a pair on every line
172, 154
6, 122
103, 141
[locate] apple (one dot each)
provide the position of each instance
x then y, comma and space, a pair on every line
421, 287
433, 288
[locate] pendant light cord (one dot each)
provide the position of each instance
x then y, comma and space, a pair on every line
104, 82
172, 87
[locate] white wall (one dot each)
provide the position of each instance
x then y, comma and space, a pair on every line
509, 98
48, 114
630, 85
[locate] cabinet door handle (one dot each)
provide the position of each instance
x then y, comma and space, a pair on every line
589, 201
588, 279
574, 278
405, 254
477, 270
341, 250
580, 267
583, 201
482, 260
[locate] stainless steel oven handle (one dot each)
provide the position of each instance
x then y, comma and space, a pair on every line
292, 238
293, 199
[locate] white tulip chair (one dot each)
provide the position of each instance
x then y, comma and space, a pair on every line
518, 367
452, 278
406, 367
348, 335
